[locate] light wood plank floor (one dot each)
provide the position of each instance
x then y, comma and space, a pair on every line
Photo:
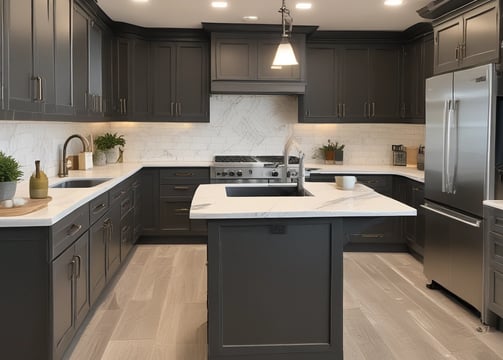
156, 310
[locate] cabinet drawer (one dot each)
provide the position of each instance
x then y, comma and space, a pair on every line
126, 203
496, 222
496, 247
174, 215
184, 175
98, 207
118, 192
69, 229
178, 189
496, 292
372, 231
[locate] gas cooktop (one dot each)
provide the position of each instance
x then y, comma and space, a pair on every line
259, 159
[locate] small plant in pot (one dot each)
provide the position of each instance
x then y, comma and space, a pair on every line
333, 152
10, 174
109, 144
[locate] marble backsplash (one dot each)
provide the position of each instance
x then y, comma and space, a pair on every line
258, 124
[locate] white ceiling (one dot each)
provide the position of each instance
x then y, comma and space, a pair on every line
328, 14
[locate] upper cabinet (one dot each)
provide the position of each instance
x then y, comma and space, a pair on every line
241, 63
417, 66
180, 89
470, 38
352, 83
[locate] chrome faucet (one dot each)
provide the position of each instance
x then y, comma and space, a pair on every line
301, 174
85, 145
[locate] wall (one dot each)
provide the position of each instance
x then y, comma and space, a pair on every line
239, 125
261, 125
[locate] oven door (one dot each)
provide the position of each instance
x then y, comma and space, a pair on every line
238, 181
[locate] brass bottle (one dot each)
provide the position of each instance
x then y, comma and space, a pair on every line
39, 184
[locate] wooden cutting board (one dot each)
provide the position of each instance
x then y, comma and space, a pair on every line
31, 205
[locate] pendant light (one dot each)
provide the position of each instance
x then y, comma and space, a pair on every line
285, 55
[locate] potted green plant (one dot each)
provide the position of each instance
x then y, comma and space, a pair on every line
109, 144
333, 152
10, 174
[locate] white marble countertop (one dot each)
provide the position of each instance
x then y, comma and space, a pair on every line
64, 201
498, 204
410, 172
211, 202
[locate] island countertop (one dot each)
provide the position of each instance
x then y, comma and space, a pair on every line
212, 202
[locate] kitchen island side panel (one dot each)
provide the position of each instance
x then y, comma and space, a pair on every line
275, 289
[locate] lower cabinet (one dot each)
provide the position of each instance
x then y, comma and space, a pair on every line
70, 291
493, 260
165, 204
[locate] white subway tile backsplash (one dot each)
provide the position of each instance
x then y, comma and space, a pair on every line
252, 124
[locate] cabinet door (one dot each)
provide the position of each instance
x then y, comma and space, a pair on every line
140, 90
127, 231
107, 72
355, 83
163, 82
122, 77
481, 32
150, 201
114, 244
80, 62
427, 56
63, 269
448, 37
63, 56
321, 98
43, 52
81, 279
21, 92
384, 88
411, 79
266, 51
98, 237
192, 89
95, 68
235, 59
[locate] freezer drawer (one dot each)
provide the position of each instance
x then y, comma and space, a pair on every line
453, 254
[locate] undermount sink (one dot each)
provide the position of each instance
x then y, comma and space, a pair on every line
251, 191
79, 183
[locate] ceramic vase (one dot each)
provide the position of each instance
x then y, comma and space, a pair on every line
112, 155
39, 184
99, 158
7, 190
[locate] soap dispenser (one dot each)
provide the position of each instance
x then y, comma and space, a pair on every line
39, 184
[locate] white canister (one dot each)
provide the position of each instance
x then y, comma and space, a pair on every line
345, 182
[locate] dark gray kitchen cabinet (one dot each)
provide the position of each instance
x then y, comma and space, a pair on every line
414, 225
63, 56
137, 196
370, 84
179, 81
139, 91
275, 289
31, 55
80, 61
121, 65
321, 102
373, 234
493, 260
241, 63
70, 291
417, 66
469, 39
95, 85
165, 204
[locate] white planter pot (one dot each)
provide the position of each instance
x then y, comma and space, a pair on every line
99, 158
112, 155
7, 190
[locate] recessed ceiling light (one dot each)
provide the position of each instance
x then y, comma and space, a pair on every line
250, 18
219, 4
392, 2
303, 6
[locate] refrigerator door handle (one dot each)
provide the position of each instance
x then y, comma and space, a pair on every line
447, 106
451, 215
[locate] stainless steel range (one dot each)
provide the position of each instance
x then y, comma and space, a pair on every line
253, 169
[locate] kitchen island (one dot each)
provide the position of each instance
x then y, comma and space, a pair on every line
275, 267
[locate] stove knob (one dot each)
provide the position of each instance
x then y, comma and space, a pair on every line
224, 173
275, 173
239, 173
231, 173
250, 172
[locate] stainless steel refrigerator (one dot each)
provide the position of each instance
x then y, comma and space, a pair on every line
459, 175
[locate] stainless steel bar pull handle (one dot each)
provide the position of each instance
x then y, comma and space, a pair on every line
444, 145
373, 109
343, 110
39, 95
172, 109
468, 221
